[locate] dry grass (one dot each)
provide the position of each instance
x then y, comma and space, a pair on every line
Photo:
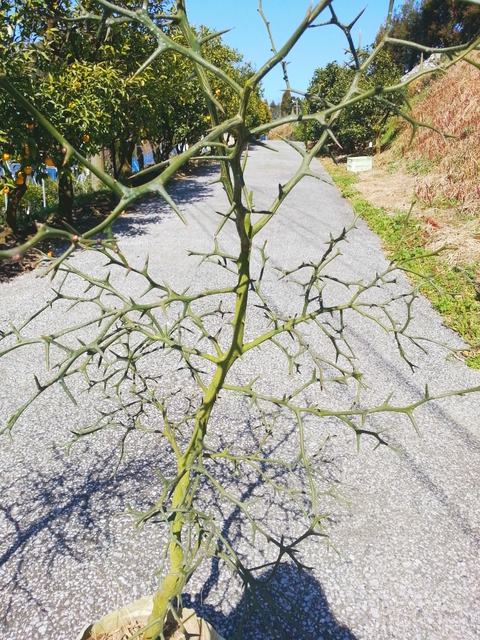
441, 174
284, 131
391, 191
447, 168
443, 226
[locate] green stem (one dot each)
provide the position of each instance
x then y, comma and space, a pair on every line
183, 495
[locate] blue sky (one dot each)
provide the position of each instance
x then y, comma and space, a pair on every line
318, 47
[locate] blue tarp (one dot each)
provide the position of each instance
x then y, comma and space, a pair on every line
148, 159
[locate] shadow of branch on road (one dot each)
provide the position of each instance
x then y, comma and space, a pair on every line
67, 511
47, 516
153, 209
437, 417
281, 602
285, 604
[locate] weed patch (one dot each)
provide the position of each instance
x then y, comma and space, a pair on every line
454, 291
447, 165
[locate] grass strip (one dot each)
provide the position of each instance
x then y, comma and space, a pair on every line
451, 290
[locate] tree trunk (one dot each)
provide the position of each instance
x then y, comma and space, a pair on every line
65, 195
98, 162
113, 159
157, 153
140, 158
125, 154
14, 198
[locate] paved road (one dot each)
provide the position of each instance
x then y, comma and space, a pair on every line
407, 534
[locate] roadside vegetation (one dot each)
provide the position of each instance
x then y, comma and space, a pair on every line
434, 168
452, 288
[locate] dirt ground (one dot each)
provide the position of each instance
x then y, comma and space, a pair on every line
395, 190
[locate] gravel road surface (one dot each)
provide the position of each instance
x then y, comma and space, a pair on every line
406, 538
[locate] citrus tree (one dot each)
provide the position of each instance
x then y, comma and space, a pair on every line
87, 79
210, 335
179, 113
359, 124
80, 96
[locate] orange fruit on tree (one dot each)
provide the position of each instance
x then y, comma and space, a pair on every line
49, 162
5, 156
6, 189
28, 170
86, 137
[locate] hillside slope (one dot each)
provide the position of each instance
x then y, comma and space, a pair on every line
440, 172
449, 167
441, 176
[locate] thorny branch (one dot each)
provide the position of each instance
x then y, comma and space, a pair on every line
201, 336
